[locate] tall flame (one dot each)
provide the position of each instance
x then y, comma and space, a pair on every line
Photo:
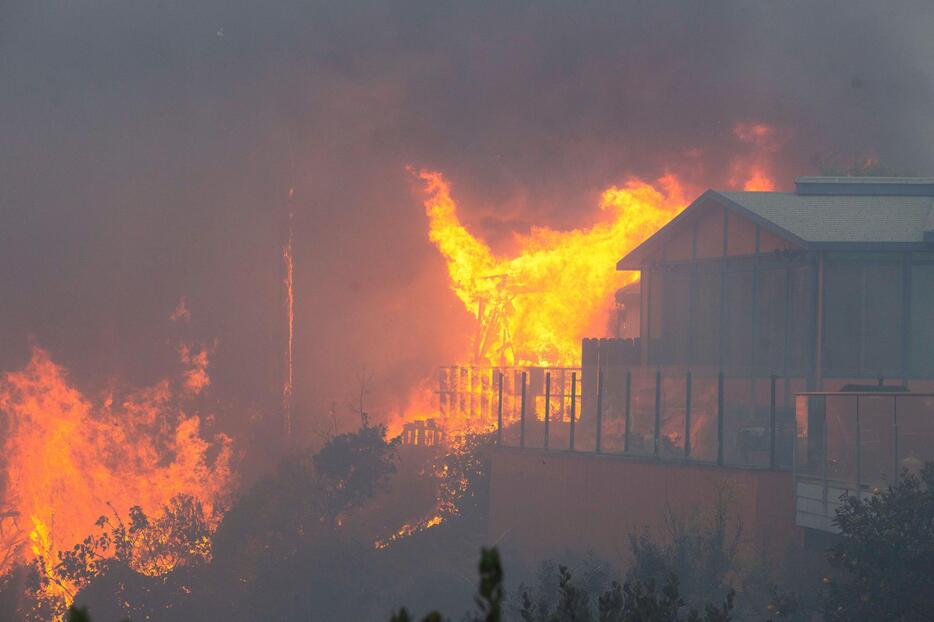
66, 460
533, 308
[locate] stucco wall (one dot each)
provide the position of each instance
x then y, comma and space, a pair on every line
546, 503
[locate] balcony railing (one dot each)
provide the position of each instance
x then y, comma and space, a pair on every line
856, 443
673, 414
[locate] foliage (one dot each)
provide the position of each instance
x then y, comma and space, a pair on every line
351, 467
632, 601
885, 555
856, 167
179, 535
464, 477
702, 553
489, 597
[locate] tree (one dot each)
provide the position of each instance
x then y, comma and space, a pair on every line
351, 467
885, 556
702, 553
489, 597
633, 601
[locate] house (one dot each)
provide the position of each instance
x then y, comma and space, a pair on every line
785, 352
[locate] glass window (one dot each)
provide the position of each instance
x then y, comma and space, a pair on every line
737, 310
876, 426
704, 401
841, 438
882, 319
656, 296
676, 314
915, 433
706, 342
770, 318
801, 318
613, 434
642, 412
742, 432
842, 284
672, 414
922, 320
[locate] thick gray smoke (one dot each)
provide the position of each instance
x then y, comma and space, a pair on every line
148, 148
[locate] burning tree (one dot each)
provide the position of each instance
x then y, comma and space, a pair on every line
67, 459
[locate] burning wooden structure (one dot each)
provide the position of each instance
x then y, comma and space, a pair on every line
421, 433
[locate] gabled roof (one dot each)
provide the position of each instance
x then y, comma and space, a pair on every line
819, 220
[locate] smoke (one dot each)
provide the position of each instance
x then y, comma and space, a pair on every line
149, 148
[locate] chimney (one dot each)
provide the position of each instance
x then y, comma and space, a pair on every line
866, 186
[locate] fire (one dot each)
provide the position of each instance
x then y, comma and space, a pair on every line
753, 173
534, 308
67, 460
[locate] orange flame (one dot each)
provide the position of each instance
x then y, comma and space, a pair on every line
534, 308
754, 173
67, 460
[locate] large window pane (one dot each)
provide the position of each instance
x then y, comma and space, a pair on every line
915, 431
737, 310
585, 432
707, 317
841, 438
738, 409
674, 401
882, 319
810, 413
876, 440
842, 284
613, 435
657, 302
770, 311
922, 319
801, 317
642, 412
704, 415
676, 314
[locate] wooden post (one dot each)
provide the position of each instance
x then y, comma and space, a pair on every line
499, 411
547, 405
522, 413
656, 448
687, 416
772, 424
628, 409
720, 418
597, 447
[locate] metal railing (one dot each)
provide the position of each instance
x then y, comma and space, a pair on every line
856, 443
674, 414
863, 439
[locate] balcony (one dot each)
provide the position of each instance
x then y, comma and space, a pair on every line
856, 443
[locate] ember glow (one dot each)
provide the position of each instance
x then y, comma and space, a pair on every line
69, 459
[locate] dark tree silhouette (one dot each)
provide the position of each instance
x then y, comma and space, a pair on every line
351, 467
885, 556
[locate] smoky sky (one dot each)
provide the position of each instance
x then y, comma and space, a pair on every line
148, 148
